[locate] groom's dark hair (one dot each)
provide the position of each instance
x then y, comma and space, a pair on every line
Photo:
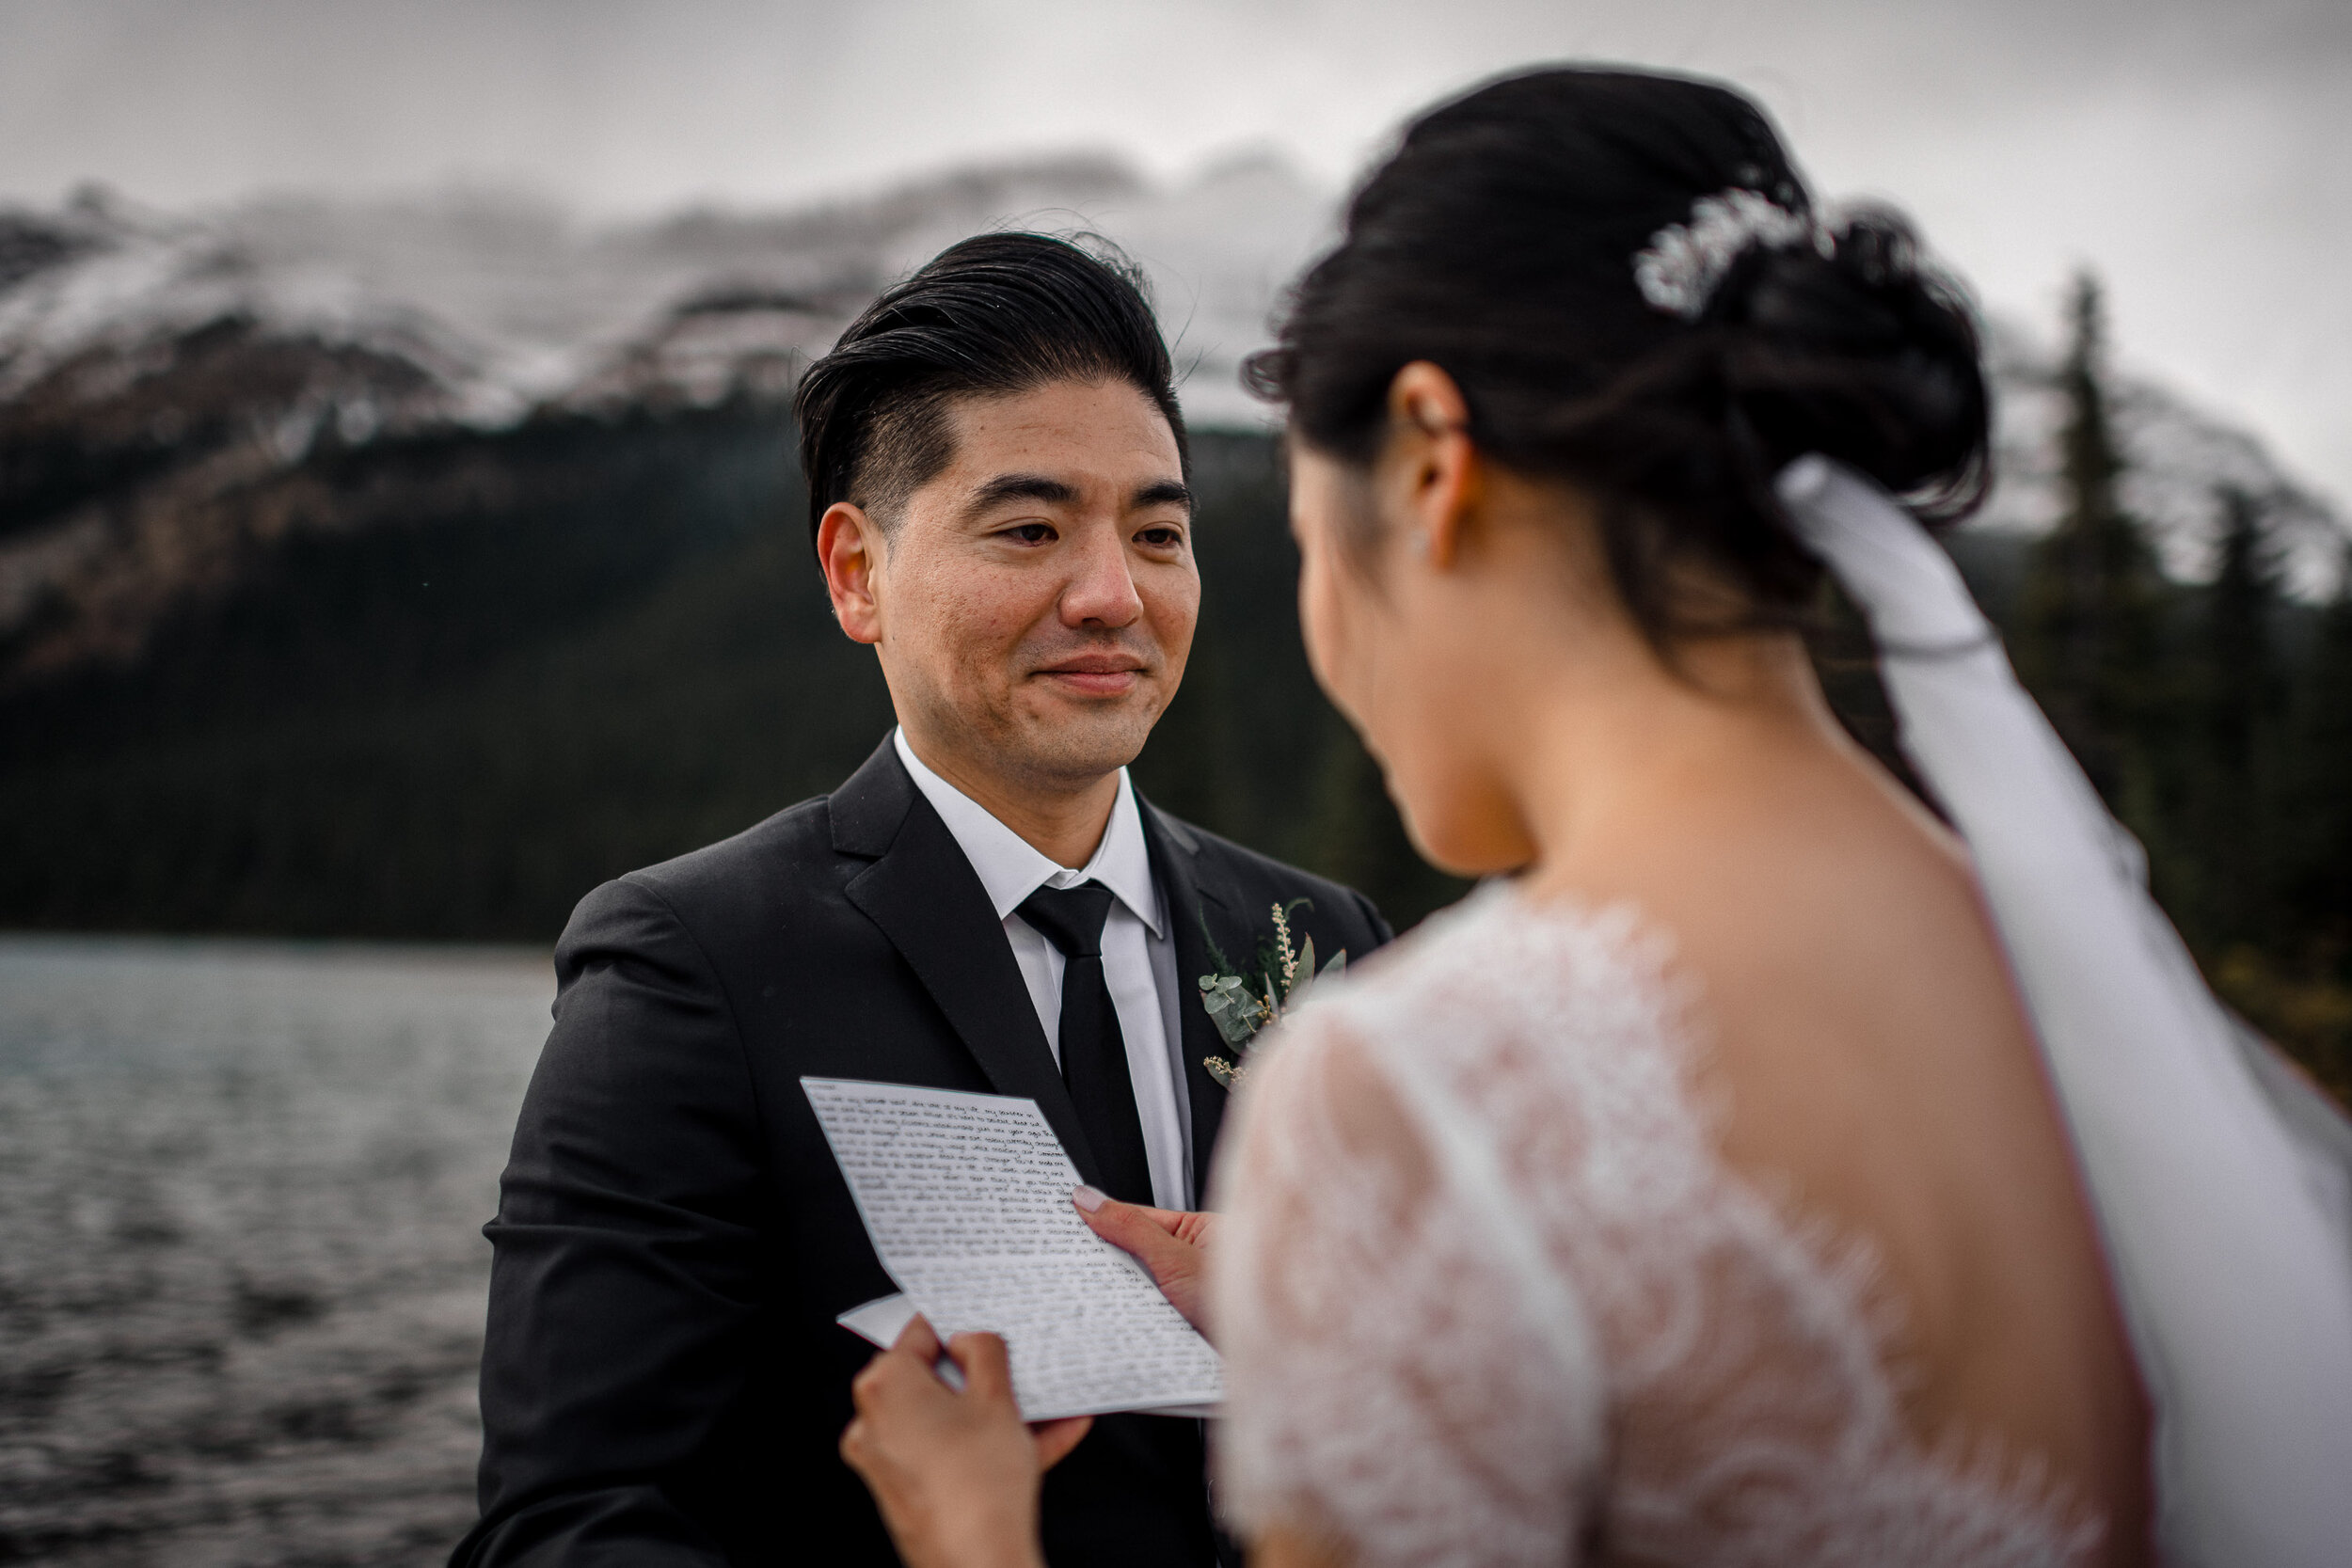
989, 316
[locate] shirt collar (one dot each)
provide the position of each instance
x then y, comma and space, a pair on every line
1011, 869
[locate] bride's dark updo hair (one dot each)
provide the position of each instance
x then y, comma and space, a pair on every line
1499, 243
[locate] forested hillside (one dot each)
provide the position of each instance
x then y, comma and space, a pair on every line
2216, 719
453, 722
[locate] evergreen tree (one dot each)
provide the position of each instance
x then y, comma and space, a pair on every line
2240, 699
2087, 641
2317, 816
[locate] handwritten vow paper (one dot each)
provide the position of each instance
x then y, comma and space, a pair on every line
966, 1197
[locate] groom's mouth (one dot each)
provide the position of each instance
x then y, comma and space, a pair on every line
1095, 674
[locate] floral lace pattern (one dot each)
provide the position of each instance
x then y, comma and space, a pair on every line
1488, 1295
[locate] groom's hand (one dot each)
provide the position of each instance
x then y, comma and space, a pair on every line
955, 1474
1173, 1245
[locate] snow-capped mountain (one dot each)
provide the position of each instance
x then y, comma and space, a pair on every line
504, 305
157, 370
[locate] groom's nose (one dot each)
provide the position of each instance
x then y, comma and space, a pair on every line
1102, 586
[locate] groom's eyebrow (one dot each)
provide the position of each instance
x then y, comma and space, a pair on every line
1022, 487
1055, 492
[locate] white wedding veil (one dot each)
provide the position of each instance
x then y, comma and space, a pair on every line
2222, 1183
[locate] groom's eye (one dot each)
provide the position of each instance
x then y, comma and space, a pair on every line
1031, 534
1165, 537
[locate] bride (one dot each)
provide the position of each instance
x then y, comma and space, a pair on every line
1760, 1174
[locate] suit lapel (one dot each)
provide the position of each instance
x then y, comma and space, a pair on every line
1175, 856
923, 892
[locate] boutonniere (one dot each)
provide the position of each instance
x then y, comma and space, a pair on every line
1240, 1004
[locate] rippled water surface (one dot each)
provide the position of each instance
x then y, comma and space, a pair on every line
241, 1267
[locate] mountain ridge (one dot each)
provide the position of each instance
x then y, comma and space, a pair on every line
165, 379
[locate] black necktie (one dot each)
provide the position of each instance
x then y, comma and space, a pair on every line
1093, 1053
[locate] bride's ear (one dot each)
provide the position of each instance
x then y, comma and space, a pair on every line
1433, 464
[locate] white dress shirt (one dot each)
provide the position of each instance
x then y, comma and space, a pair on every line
1138, 956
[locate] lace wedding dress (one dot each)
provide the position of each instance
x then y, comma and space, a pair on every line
1488, 1295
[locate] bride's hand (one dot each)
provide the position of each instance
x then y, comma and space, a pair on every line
956, 1475
1173, 1245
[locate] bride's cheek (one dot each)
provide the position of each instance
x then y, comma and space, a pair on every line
1337, 652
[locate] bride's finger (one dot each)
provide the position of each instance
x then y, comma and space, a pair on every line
919, 1339
1170, 1220
1173, 1261
987, 1365
1186, 1225
1149, 1233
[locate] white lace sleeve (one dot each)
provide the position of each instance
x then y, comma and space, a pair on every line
1395, 1386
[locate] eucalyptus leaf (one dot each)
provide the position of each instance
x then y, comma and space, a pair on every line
1225, 1011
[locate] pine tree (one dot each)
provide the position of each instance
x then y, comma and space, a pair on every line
2241, 696
2317, 816
2087, 642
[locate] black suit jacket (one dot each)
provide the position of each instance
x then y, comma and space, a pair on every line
663, 1382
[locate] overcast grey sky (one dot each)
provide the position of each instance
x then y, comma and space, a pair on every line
2194, 152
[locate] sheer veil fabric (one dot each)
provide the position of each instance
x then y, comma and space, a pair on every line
2222, 1186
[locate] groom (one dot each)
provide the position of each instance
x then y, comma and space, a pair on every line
996, 472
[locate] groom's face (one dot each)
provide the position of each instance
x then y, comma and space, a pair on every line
1034, 603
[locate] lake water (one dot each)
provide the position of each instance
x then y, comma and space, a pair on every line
240, 1264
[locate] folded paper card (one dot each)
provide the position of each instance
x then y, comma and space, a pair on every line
966, 1199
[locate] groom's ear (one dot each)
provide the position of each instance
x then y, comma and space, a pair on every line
850, 548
